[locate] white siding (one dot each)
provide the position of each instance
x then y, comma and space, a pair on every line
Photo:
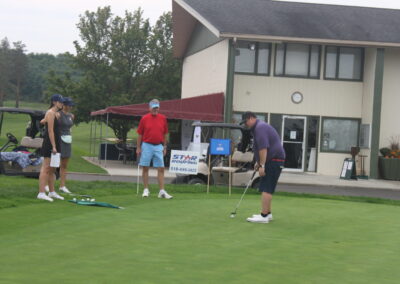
331, 163
205, 72
320, 97
390, 118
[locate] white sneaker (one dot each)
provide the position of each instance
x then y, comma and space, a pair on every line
258, 219
43, 196
46, 188
164, 194
55, 195
269, 216
146, 192
64, 189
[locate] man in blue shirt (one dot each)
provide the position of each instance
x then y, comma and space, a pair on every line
270, 158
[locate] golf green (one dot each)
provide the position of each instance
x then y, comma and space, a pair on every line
191, 239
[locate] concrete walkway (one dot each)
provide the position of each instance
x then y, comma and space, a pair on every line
118, 171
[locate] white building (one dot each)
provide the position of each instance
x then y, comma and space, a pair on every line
327, 77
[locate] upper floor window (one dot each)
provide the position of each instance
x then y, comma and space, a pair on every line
252, 57
297, 60
344, 63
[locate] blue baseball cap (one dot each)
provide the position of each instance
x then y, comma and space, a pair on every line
68, 101
57, 98
154, 103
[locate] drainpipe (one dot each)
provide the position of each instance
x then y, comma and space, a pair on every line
376, 112
230, 82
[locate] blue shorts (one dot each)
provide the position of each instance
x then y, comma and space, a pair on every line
268, 182
153, 153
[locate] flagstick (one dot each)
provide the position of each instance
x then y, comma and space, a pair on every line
137, 182
209, 174
230, 175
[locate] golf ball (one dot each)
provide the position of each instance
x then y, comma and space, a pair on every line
232, 216
92, 199
83, 200
74, 199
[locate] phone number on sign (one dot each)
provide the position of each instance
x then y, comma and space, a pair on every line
180, 169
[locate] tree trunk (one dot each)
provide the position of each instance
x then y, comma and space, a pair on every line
1, 98
17, 94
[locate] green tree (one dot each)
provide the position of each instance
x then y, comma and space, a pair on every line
4, 68
42, 67
124, 61
18, 68
164, 76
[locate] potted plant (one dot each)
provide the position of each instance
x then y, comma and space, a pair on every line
389, 162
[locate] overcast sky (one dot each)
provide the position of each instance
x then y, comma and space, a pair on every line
50, 25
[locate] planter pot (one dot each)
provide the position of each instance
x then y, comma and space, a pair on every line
389, 168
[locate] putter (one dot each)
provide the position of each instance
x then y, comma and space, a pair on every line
233, 214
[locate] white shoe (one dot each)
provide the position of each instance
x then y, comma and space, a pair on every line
258, 219
46, 188
54, 195
164, 194
269, 216
146, 192
43, 196
64, 189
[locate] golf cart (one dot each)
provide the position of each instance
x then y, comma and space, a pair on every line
241, 169
24, 158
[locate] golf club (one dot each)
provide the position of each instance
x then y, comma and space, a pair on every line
233, 214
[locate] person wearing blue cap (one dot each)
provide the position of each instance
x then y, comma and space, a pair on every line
66, 121
152, 146
51, 145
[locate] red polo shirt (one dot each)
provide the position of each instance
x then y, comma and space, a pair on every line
153, 128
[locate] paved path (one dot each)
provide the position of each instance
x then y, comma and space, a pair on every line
314, 184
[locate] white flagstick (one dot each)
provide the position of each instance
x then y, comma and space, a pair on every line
137, 182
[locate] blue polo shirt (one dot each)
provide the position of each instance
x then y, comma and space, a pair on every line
266, 137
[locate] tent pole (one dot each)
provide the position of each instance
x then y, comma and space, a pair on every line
105, 165
95, 136
90, 139
101, 136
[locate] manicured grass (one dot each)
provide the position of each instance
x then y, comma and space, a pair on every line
16, 124
191, 239
32, 105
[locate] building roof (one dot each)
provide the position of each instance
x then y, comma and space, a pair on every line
280, 20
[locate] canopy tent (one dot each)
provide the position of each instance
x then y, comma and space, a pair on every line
208, 108
205, 108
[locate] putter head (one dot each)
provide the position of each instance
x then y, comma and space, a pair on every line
233, 215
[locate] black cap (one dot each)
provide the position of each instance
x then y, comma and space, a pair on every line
57, 98
68, 101
246, 116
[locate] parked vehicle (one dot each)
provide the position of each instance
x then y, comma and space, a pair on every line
241, 169
28, 147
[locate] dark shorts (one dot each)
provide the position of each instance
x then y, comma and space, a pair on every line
47, 148
268, 182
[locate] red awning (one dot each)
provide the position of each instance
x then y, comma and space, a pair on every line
205, 108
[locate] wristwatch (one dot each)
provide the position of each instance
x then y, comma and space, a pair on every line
262, 166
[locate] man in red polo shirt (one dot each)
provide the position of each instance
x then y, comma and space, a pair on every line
152, 146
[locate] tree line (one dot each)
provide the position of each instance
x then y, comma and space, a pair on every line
119, 60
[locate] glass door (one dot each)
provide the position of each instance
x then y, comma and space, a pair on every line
293, 139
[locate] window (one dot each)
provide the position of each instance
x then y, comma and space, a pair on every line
339, 134
252, 57
237, 117
344, 63
297, 60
